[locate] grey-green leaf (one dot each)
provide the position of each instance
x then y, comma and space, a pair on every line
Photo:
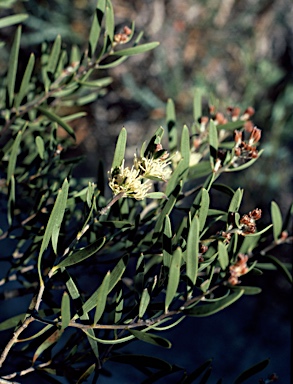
54, 223
53, 117
174, 277
192, 250
277, 220
24, 87
54, 55
213, 141
13, 156
11, 20
96, 26
171, 125
120, 149
65, 310
40, 146
81, 254
12, 66
102, 298
204, 208
236, 201
211, 308
223, 255
136, 50
151, 338
144, 302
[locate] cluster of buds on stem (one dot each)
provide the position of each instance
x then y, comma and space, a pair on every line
135, 182
238, 269
122, 37
246, 150
247, 222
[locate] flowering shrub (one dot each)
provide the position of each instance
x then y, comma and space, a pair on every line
103, 272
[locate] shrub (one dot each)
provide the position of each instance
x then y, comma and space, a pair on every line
171, 242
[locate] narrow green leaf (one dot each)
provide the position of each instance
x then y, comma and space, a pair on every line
185, 150
109, 20
174, 277
65, 310
252, 371
144, 302
260, 232
57, 214
276, 219
247, 290
12, 66
192, 250
11, 200
156, 195
96, 27
151, 338
167, 242
236, 201
223, 255
24, 86
204, 208
115, 276
40, 146
12, 322
199, 170
11, 20
171, 125
120, 149
197, 105
50, 341
54, 55
113, 64
81, 254
211, 308
136, 50
54, 223
213, 141
97, 83
13, 156
231, 125
52, 117
86, 374
102, 297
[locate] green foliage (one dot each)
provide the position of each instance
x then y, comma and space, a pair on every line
159, 250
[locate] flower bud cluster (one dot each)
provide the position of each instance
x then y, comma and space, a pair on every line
246, 150
247, 221
122, 37
238, 269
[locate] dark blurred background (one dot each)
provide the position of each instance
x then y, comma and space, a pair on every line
242, 53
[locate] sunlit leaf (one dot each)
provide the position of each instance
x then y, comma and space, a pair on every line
211, 308
53, 117
136, 50
81, 254
54, 223
109, 20
204, 208
40, 146
276, 219
120, 149
174, 277
223, 255
236, 201
102, 298
11, 20
213, 141
12, 65
54, 55
65, 310
96, 26
192, 250
144, 302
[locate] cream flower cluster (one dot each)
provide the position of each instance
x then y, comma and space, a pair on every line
135, 181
